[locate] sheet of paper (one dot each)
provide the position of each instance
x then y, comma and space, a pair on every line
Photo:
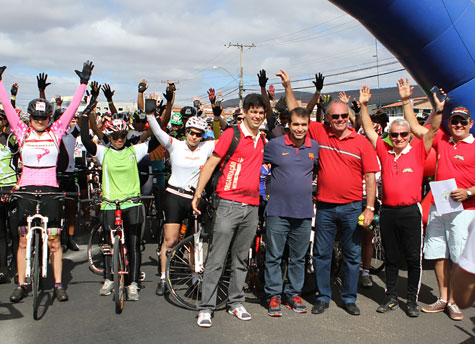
441, 191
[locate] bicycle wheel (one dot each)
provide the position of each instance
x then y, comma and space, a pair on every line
377, 262
95, 254
254, 285
118, 266
184, 283
35, 270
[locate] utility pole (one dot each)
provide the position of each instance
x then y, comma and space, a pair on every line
241, 47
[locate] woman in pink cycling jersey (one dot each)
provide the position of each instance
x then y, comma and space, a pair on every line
39, 147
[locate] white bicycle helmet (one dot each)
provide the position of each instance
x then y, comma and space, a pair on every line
197, 123
115, 125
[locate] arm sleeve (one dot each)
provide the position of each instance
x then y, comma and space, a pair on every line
90, 146
161, 136
61, 124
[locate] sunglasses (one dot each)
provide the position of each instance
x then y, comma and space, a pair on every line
456, 121
39, 118
402, 134
337, 116
239, 118
118, 136
197, 134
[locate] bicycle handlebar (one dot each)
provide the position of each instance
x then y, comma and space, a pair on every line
20, 194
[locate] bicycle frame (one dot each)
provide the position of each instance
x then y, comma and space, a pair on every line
119, 230
44, 238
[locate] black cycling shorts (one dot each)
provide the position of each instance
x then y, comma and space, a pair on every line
176, 208
49, 206
130, 217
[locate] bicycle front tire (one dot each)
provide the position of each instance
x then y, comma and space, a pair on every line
95, 255
35, 271
119, 277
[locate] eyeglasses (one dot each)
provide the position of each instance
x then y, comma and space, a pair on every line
197, 134
458, 120
403, 134
337, 116
118, 136
39, 118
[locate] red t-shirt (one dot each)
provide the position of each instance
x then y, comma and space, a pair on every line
342, 164
456, 161
240, 179
401, 177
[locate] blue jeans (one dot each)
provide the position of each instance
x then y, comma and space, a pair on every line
295, 232
331, 216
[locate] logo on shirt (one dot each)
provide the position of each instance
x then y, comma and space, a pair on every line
460, 157
407, 170
311, 156
285, 153
45, 152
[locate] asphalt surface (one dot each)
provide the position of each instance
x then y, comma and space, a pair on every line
90, 318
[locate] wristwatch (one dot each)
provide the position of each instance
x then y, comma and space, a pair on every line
370, 208
469, 193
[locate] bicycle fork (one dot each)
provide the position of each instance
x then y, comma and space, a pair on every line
44, 238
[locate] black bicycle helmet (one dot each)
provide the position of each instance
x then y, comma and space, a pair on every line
40, 107
140, 115
187, 112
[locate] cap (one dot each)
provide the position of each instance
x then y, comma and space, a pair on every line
461, 111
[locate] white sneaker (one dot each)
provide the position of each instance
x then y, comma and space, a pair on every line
204, 319
240, 313
106, 288
133, 292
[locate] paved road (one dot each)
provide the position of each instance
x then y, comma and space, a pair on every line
90, 318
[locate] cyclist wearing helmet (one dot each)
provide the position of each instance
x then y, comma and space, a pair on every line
39, 147
120, 180
177, 128
187, 158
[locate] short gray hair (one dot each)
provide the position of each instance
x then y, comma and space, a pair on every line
399, 121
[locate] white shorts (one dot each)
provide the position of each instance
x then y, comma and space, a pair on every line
447, 234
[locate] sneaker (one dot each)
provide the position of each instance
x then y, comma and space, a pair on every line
106, 288
240, 313
61, 294
72, 245
274, 307
18, 294
204, 319
454, 312
412, 309
296, 305
366, 281
436, 307
133, 292
389, 304
161, 287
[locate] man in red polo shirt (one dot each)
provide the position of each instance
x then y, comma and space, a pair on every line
345, 158
236, 217
446, 234
402, 169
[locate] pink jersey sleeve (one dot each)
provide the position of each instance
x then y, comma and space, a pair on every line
60, 126
17, 126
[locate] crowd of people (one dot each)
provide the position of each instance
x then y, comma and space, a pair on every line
269, 153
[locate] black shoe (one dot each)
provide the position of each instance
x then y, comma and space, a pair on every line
389, 304
412, 309
351, 308
72, 245
161, 287
18, 294
4, 278
61, 294
319, 307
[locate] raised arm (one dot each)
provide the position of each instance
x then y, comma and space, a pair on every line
108, 93
428, 137
14, 92
262, 77
345, 99
371, 134
162, 137
10, 112
405, 92
42, 84
142, 87
319, 78
289, 93
90, 146
169, 95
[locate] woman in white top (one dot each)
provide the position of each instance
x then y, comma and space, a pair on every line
187, 158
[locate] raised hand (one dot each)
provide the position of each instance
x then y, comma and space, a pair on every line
108, 93
212, 95
95, 89
143, 85
439, 106
284, 77
2, 69
271, 92
319, 78
90, 106
262, 78
58, 100
41, 80
85, 74
343, 97
14, 89
365, 95
150, 106
168, 95
405, 89
355, 106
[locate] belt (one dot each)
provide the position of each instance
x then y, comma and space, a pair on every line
180, 192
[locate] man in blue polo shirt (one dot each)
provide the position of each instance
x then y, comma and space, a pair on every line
289, 210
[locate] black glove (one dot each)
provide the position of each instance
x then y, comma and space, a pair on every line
2, 69
41, 79
262, 78
95, 88
86, 96
150, 106
92, 104
85, 74
217, 110
108, 93
14, 90
355, 107
142, 87
58, 101
168, 95
319, 78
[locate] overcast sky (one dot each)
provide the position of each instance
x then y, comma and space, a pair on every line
182, 41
